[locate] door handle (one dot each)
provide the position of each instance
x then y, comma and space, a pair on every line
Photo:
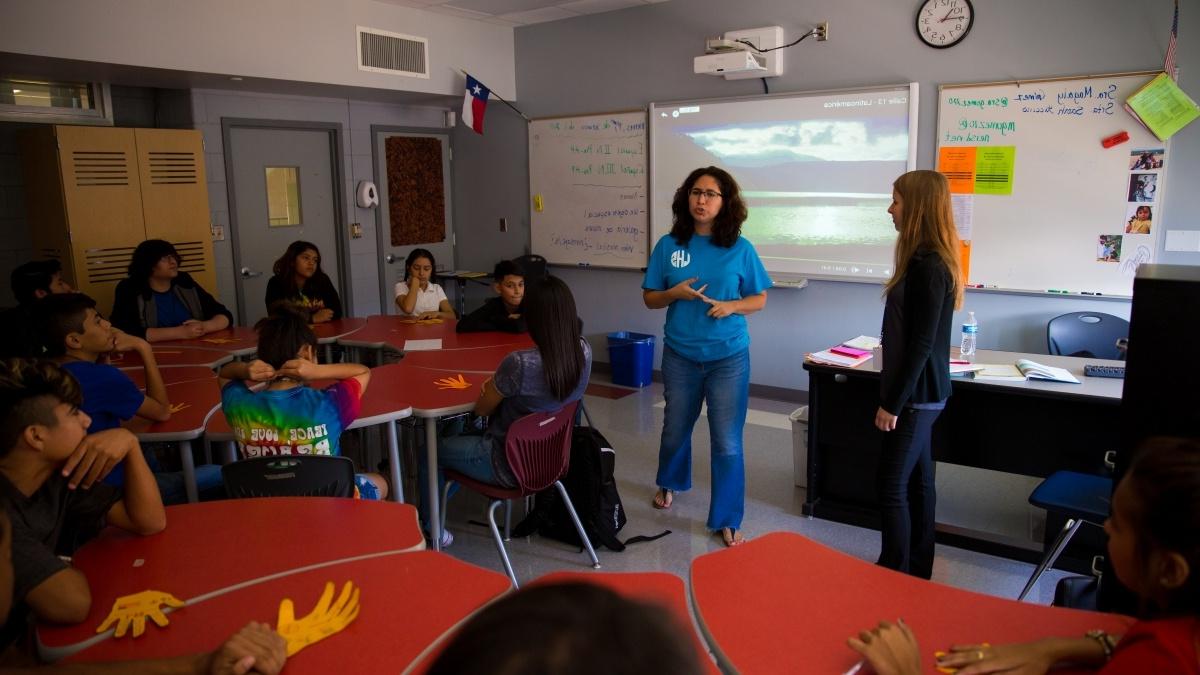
247, 273
389, 258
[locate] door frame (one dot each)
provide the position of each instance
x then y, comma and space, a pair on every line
381, 242
341, 236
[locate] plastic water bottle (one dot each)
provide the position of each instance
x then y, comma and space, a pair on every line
970, 330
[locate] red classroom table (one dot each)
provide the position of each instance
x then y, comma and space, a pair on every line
166, 355
380, 405
394, 331
211, 554
171, 374
782, 603
477, 360
192, 403
236, 340
331, 331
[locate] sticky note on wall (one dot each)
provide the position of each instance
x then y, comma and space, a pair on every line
537, 203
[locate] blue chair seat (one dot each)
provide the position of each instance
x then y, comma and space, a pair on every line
1075, 495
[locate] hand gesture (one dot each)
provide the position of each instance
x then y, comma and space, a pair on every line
326, 619
96, 455
413, 283
192, 329
684, 291
298, 369
1025, 658
255, 647
322, 315
720, 308
124, 342
135, 609
885, 421
891, 649
260, 371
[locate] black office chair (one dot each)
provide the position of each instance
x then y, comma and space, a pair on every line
290, 476
1087, 334
534, 266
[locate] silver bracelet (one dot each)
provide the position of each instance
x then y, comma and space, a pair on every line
1106, 642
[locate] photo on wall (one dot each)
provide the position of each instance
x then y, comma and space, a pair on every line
1138, 219
1108, 248
1142, 187
1146, 159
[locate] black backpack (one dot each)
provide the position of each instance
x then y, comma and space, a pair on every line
593, 491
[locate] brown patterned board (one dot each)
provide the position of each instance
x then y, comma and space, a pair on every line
416, 200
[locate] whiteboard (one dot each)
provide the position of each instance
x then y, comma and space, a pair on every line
1062, 230
587, 185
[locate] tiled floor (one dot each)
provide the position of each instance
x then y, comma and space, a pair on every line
632, 424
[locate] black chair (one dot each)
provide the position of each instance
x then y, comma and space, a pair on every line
290, 476
534, 266
1082, 498
1087, 334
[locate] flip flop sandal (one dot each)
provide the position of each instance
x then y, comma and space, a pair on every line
663, 499
732, 537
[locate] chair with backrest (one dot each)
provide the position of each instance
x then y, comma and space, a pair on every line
534, 266
538, 450
290, 476
1087, 334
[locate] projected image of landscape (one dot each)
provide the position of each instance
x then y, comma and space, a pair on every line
816, 174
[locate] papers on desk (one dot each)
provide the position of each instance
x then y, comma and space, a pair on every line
864, 342
422, 345
964, 367
1001, 372
849, 354
1022, 370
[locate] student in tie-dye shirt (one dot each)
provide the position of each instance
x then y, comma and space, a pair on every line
288, 417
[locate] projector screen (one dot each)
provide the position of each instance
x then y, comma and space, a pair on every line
816, 171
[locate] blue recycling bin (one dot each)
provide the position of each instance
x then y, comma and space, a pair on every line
632, 358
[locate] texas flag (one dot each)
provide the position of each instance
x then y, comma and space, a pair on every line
475, 104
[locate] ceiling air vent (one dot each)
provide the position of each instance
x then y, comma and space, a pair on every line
382, 52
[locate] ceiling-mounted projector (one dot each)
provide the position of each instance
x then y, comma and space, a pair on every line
729, 62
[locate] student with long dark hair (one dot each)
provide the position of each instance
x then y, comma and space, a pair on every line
709, 278
300, 283
418, 295
158, 301
545, 378
915, 381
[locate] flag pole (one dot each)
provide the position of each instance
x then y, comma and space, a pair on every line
499, 98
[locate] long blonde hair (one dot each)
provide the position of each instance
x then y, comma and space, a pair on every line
927, 222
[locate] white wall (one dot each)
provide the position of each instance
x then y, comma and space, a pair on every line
302, 41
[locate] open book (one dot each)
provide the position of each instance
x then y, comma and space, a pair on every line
1037, 371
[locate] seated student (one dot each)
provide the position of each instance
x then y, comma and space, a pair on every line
159, 302
49, 484
502, 312
256, 646
1154, 546
417, 295
571, 628
30, 283
80, 340
545, 378
300, 283
288, 417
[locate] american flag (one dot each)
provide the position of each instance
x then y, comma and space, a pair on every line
1169, 61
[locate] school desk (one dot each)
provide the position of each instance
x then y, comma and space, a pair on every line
394, 331
239, 341
460, 279
165, 355
1029, 427
218, 550
171, 374
192, 403
781, 603
380, 406
329, 332
481, 359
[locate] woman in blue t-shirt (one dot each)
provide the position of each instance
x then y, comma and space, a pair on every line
542, 379
709, 278
159, 301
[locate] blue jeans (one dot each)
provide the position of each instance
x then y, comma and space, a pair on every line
907, 498
725, 385
468, 454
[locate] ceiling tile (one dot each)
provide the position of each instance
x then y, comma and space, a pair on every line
455, 11
502, 7
540, 15
598, 6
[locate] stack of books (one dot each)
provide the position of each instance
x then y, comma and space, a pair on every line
849, 354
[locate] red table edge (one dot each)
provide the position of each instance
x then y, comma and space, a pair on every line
181, 435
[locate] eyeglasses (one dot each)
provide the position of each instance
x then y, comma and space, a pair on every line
697, 193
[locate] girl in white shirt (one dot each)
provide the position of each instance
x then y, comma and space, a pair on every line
416, 295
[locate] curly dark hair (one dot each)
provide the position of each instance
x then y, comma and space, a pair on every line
146, 256
727, 226
29, 390
285, 268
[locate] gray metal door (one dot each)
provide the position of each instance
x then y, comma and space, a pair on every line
393, 247
283, 190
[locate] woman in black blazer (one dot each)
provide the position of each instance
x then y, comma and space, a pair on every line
915, 381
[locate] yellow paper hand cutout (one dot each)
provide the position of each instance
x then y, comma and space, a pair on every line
452, 382
327, 618
176, 407
135, 609
219, 341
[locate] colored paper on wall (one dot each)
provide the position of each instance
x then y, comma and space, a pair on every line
957, 164
994, 170
1163, 107
964, 253
964, 214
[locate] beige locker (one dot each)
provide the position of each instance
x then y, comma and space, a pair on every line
94, 193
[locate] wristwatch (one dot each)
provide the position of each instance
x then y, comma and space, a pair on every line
1106, 641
